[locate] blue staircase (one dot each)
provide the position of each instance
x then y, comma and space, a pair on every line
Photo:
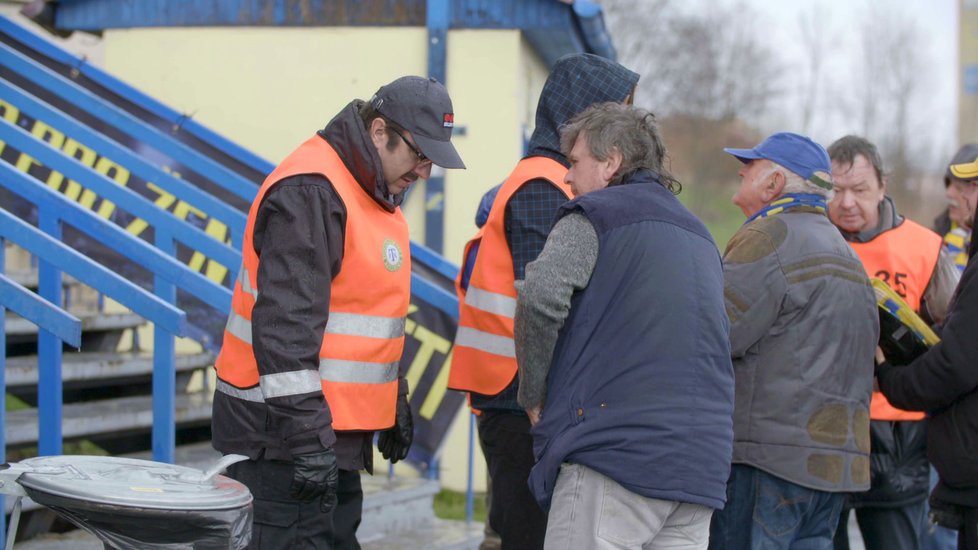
121, 221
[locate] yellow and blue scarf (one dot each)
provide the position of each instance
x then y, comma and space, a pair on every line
791, 200
957, 241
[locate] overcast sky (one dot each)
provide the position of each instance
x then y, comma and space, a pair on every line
935, 106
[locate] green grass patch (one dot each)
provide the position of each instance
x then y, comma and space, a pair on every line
451, 505
15, 404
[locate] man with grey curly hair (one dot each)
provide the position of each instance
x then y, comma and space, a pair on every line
621, 341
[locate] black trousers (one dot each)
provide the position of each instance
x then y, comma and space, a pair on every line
281, 522
513, 513
885, 528
968, 535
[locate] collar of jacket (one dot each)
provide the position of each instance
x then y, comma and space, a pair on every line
347, 135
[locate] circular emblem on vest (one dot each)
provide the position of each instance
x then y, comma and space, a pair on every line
393, 258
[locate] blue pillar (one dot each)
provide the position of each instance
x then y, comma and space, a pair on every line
49, 396
439, 15
164, 366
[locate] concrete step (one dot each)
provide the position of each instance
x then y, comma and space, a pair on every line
437, 534
98, 367
87, 419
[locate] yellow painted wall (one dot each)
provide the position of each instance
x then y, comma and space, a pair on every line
967, 57
268, 89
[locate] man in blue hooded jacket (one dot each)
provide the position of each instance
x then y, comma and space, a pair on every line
483, 361
622, 345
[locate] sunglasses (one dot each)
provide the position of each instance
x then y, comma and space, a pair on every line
417, 153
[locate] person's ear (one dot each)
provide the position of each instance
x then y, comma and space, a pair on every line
774, 186
378, 132
611, 165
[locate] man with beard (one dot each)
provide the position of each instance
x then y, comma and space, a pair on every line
309, 366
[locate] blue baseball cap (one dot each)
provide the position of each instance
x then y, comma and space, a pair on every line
795, 152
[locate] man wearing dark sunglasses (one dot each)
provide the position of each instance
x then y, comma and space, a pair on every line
308, 370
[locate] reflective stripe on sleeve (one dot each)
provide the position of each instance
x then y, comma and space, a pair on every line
283, 384
251, 394
484, 341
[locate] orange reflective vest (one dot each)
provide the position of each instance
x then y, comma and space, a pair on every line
364, 336
484, 356
905, 258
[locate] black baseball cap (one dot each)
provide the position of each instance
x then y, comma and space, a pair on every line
422, 107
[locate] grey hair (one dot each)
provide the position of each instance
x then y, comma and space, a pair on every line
631, 131
793, 183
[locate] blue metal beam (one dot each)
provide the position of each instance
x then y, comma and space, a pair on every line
102, 14
443, 300
438, 17
116, 238
179, 122
125, 122
183, 190
433, 260
49, 349
91, 273
123, 197
39, 311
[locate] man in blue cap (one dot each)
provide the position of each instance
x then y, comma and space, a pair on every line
803, 331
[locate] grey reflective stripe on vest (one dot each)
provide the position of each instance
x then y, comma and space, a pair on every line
371, 326
357, 372
246, 283
296, 382
251, 394
239, 327
339, 323
491, 302
484, 341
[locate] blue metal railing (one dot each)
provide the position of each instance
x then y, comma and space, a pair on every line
42, 313
232, 217
53, 209
138, 98
166, 233
118, 118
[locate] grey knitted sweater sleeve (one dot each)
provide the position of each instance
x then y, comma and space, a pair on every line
564, 267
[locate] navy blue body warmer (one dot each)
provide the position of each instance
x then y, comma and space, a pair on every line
641, 386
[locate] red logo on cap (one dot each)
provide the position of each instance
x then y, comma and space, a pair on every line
449, 120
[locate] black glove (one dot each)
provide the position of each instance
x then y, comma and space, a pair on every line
395, 442
316, 475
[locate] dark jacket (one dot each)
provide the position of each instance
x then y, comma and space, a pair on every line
944, 381
641, 384
576, 82
899, 471
803, 329
299, 235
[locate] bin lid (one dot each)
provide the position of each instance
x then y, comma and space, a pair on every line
132, 482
